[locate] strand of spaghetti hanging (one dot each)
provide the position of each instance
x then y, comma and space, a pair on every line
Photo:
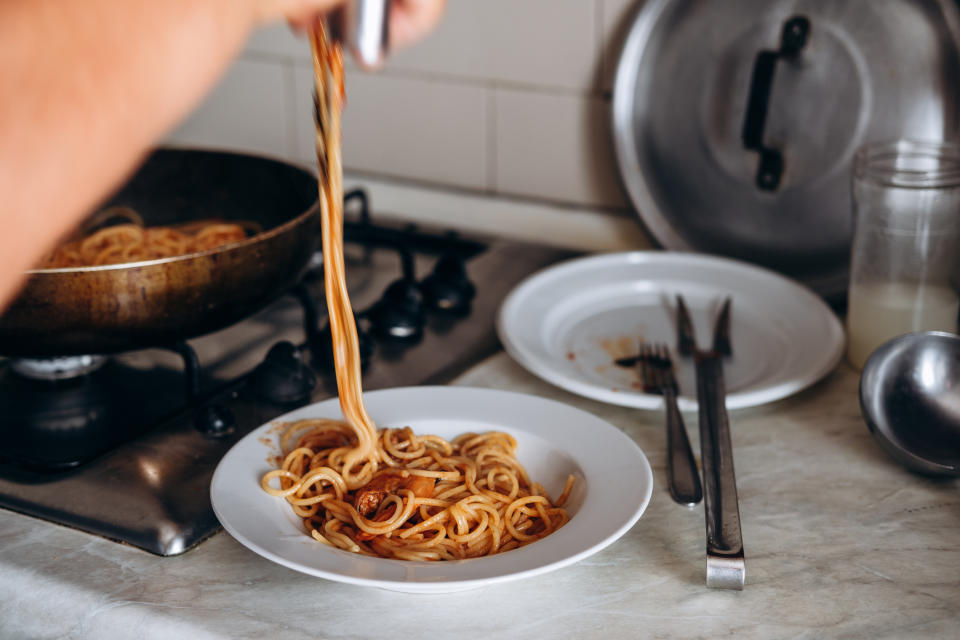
360, 462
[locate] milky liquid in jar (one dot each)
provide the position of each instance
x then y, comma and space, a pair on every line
877, 312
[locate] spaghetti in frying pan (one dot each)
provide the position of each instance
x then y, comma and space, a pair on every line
132, 241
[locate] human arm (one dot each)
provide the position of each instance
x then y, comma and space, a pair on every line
89, 86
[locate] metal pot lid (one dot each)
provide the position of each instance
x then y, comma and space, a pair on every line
735, 124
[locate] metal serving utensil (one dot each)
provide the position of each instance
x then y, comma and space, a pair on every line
910, 399
363, 28
656, 370
725, 562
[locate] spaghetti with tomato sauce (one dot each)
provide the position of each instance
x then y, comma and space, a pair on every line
390, 492
132, 241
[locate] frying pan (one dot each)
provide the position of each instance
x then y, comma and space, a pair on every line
111, 308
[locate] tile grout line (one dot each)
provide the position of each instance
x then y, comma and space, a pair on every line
492, 118
600, 50
464, 81
438, 77
290, 109
359, 174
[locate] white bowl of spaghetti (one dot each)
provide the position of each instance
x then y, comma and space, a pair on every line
612, 486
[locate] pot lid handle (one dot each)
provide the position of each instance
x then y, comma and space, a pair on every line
793, 38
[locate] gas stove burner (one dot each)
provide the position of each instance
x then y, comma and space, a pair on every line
61, 368
50, 425
283, 377
399, 315
127, 449
447, 288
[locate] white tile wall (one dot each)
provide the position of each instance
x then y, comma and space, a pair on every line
507, 97
248, 111
556, 147
615, 20
539, 43
405, 127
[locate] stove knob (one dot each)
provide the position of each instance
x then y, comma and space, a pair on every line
399, 315
447, 288
214, 420
283, 377
365, 344
321, 346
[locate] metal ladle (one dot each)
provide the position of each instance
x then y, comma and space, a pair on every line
910, 399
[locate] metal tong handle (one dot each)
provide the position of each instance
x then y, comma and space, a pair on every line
725, 563
363, 28
682, 470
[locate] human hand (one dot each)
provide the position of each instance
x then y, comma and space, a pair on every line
298, 12
410, 20
120, 105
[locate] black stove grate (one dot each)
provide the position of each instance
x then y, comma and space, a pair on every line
128, 451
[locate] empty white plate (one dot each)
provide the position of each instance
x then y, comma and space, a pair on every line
570, 322
613, 487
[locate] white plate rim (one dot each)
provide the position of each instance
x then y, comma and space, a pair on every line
833, 342
427, 580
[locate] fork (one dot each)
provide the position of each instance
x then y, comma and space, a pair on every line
656, 369
725, 561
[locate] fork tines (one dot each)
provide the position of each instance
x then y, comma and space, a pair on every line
656, 369
686, 339
686, 342
721, 331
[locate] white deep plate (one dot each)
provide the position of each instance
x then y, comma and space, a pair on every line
613, 487
568, 323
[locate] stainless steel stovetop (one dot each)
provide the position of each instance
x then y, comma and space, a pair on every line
152, 490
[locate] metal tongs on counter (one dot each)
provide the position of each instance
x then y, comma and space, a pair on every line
725, 563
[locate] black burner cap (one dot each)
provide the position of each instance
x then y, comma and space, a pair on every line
283, 377
214, 420
399, 315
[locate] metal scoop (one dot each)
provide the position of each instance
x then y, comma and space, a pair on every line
910, 399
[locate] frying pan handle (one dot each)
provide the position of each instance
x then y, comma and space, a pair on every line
360, 196
793, 38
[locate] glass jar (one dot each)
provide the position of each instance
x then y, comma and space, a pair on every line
906, 243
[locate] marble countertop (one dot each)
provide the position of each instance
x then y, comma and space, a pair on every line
840, 542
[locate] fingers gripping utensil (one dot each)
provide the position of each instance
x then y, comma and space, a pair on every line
725, 561
656, 369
